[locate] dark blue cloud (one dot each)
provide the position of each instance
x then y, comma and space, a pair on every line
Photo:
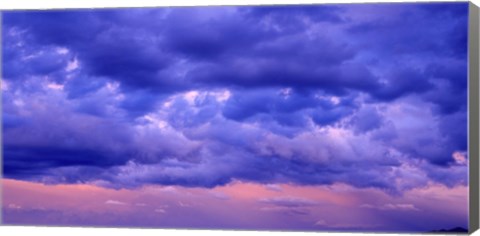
82, 86
11, 120
54, 27
286, 72
410, 31
454, 128
204, 96
139, 102
450, 94
328, 117
287, 107
32, 162
367, 119
104, 48
249, 103
402, 82
45, 61
138, 56
182, 114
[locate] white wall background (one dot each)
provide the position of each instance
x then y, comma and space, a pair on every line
65, 231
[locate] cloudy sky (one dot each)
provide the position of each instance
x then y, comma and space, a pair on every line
320, 117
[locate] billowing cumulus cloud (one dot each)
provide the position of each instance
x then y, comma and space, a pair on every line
202, 97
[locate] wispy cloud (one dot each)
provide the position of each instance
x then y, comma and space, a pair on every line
115, 202
345, 226
391, 207
160, 210
288, 202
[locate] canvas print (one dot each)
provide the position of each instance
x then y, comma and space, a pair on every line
330, 117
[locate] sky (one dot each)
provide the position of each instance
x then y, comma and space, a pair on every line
348, 117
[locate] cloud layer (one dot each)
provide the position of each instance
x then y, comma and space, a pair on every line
203, 96
245, 206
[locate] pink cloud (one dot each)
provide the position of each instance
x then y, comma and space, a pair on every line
235, 206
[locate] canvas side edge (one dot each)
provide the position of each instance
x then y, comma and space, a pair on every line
474, 106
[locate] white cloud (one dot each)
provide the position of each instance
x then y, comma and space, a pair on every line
55, 86
390, 206
14, 206
321, 223
72, 65
4, 85
159, 210
460, 157
115, 202
62, 50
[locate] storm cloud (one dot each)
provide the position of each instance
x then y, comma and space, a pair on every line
203, 96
